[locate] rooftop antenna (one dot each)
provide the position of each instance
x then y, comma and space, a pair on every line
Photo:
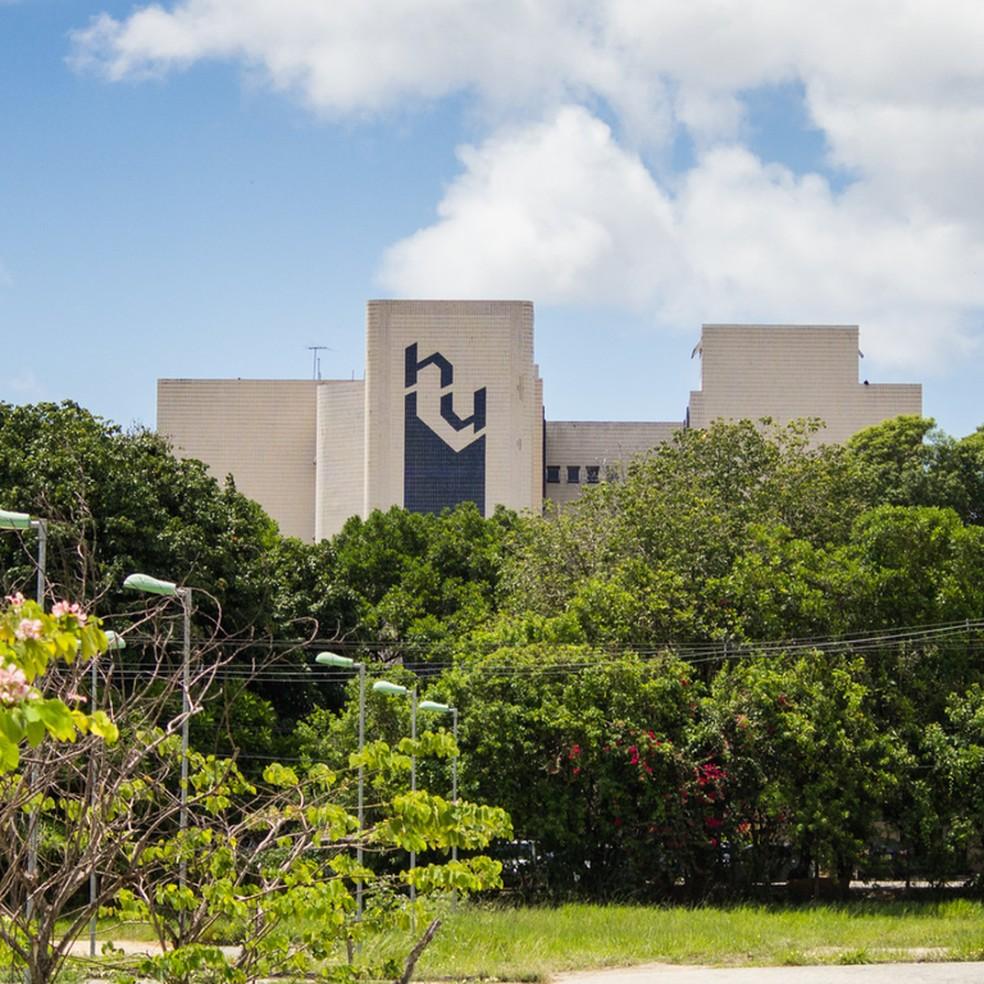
316, 359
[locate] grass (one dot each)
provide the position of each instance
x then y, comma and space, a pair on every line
531, 944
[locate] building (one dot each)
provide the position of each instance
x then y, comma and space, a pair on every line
451, 409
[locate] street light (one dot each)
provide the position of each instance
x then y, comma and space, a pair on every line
396, 690
23, 521
435, 707
153, 585
114, 641
346, 662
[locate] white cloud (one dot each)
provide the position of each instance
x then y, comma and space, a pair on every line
551, 211
556, 206
354, 57
558, 211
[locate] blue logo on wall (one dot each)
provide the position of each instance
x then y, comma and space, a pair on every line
438, 473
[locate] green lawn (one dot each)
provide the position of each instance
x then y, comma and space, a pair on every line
531, 944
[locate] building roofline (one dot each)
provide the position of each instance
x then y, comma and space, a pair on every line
745, 326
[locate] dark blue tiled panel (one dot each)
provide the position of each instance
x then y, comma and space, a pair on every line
436, 476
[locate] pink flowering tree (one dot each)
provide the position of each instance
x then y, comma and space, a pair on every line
41, 656
31, 643
255, 860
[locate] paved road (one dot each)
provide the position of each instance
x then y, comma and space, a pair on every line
909, 973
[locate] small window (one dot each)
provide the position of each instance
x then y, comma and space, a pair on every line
553, 474
573, 474
592, 474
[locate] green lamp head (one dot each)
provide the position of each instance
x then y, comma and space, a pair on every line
333, 659
433, 705
152, 585
14, 520
389, 689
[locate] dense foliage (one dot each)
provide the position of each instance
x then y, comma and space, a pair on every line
184, 842
754, 656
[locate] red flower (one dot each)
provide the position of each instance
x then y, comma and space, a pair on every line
710, 772
713, 822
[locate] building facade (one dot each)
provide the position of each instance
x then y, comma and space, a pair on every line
451, 410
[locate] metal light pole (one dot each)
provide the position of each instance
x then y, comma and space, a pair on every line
395, 690
433, 705
115, 642
23, 521
333, 659
153, 585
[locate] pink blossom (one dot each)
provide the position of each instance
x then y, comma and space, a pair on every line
16, 600
62, 608
29, 628
13, 685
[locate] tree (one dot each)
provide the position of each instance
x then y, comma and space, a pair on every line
250, 858
907, 461
269, 868
952, 815
810, 766
36, 648
118, 502
679, 522
589, 755
420, 580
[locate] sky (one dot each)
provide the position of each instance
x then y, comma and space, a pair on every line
205, 188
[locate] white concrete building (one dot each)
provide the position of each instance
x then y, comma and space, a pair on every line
451, 409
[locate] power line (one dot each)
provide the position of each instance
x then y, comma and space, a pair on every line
859, 645
885, 634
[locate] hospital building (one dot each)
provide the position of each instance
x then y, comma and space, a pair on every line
451, 409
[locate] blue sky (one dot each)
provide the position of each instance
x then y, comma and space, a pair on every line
206, 188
